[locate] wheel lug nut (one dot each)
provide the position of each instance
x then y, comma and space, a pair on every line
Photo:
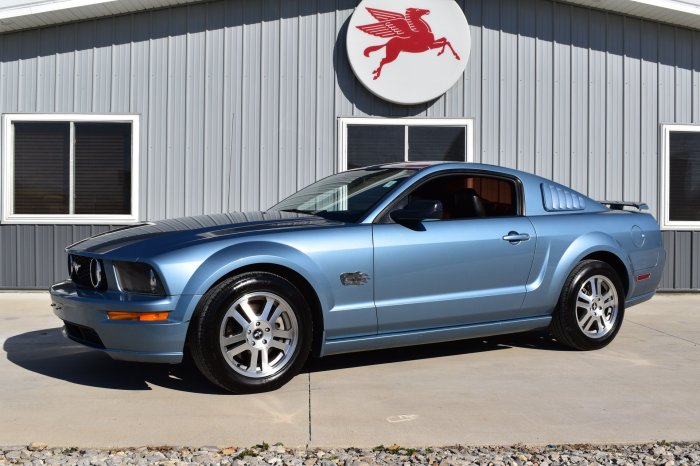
265, 342
267, 329
257, 324
252, 343
248, 332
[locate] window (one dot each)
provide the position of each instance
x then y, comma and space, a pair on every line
372, 141
70, 169
680, 177
466, 196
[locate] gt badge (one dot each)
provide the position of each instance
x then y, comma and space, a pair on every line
353, 278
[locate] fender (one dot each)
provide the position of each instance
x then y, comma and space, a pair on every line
242, 255
547, 278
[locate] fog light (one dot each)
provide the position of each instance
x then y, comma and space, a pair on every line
140, 316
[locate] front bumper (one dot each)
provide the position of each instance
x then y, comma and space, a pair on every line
84, 313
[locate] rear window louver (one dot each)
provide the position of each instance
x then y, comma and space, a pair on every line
559, 199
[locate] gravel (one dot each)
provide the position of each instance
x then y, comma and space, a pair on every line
658, 454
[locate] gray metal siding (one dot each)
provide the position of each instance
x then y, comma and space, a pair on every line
239, 101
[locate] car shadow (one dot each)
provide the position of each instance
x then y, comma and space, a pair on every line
49, 353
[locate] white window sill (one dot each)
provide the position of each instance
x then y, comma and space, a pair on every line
69, 220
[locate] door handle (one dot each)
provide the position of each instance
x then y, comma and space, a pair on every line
514, 237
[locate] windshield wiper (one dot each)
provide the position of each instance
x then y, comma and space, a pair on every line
298, 211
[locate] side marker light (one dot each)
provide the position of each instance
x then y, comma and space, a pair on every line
140, 316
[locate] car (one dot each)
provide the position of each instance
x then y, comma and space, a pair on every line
377, 257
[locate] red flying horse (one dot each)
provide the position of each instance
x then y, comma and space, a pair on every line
409, 33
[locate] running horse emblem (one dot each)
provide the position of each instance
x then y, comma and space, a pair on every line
409, 32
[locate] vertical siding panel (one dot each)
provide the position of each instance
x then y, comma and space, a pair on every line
140, 72
614, 107
62, 237
27, 89
667, 84
250, 153
508, 115
579, 99
325, 110
46, 70
454, 98
695, 261
269, 126
235, 46
121, 64
632, 111
65, 68
527, 33
289, 83
26, 250
102, 66
682, 260
46, 256
543, 100
490, 83
157, 110
214, 93
194, 123
306, 53
649, 116
10, 72
472, 74
695, 71
344, 77
684, 76
177, 113
667, 280
596, 107
8, 264
84, 62
561, 130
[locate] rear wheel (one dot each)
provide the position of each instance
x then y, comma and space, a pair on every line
252, 333
591, 307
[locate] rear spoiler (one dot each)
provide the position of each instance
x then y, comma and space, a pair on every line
620, 205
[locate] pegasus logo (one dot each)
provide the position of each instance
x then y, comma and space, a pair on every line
409, 32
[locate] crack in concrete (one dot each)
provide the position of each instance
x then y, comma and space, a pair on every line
664, 333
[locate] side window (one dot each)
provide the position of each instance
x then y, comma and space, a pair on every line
468, 196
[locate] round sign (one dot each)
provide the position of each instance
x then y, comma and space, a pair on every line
408, 51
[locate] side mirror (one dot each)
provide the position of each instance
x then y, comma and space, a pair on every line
418, 211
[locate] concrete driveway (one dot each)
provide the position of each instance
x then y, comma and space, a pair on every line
645, 386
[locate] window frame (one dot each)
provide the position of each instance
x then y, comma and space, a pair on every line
8, 168
518, 191
664, 195
344, 122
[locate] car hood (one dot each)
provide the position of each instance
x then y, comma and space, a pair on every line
151, 237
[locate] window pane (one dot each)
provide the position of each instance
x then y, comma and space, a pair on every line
41, 168
375, 144
437, 143
102, 168
684, 181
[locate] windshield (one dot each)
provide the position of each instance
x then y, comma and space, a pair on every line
347, 196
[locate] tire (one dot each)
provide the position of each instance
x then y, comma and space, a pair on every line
591, 307
251, 333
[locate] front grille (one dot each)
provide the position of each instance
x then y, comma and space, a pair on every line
84, 335
87, 272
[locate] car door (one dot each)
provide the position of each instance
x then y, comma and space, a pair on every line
470, 266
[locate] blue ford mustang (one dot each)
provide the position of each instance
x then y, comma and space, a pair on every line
378, 257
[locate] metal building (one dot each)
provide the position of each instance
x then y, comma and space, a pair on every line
195, 107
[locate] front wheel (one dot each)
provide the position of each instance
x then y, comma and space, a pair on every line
591, 307
252, 333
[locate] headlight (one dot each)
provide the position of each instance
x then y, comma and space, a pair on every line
137, 277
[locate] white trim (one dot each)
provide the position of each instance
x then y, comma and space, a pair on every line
664, 221
8, 217
48, 7
343, 123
